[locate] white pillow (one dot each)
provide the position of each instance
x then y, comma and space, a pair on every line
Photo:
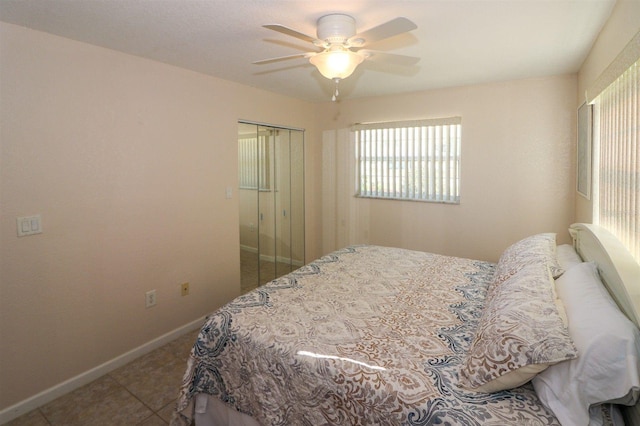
567, 256
608, 366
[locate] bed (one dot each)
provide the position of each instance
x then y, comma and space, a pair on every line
373, 335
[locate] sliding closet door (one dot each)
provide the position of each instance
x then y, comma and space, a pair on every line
266, 205
289, 201
248, 192
271, 176
296, 216
282, 200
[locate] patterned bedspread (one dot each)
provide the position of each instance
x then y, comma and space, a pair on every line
365, 336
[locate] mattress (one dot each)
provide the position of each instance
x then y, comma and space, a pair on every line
366, 335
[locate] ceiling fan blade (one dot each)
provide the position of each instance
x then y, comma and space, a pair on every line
291, 32
393, 58
382, 31
283, 58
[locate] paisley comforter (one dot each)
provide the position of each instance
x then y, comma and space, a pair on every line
365, 336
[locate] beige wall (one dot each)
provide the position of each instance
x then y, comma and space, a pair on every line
622, 25
127, 161
517, 168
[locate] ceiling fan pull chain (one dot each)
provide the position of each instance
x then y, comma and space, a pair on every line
336, 93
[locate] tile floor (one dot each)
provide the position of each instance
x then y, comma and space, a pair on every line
141, 393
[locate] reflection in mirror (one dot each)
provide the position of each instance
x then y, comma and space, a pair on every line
271, 196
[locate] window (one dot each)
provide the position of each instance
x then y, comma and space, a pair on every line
409, 160
617, 201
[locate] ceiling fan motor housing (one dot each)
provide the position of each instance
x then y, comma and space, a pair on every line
336, 28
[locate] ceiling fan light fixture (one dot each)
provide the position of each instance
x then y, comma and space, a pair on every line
336, 62
337, 36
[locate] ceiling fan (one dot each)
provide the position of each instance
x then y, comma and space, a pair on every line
342, 48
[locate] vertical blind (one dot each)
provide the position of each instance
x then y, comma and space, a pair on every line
618, 201
253, 151
409, 160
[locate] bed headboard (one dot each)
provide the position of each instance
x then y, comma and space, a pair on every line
619, 272
618, 269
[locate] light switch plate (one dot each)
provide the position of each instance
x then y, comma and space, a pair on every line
29, 225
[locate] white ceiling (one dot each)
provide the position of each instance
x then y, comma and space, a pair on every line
459, 42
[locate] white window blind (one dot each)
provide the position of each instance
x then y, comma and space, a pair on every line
618, 197
409, 160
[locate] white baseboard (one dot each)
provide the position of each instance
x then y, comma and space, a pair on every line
248, 248
48, 395
266, 258
296, 263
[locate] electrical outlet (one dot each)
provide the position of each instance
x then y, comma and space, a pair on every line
184, 289
150, 298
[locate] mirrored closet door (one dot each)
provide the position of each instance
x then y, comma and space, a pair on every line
271, 194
